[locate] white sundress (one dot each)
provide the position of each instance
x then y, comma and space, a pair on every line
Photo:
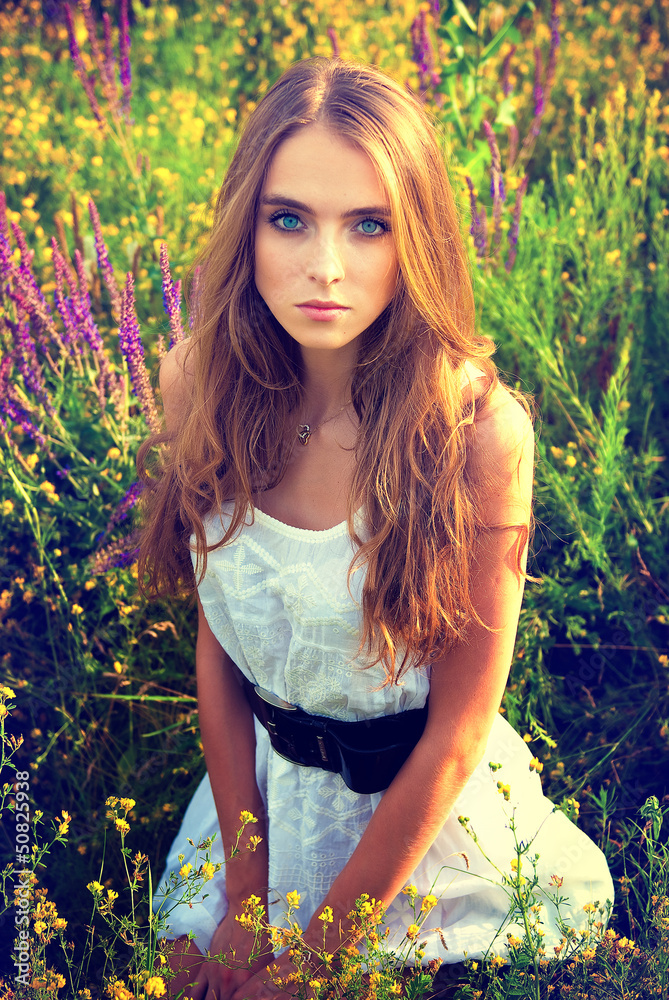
276, 598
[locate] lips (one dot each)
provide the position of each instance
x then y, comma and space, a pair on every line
322, 311
321, 304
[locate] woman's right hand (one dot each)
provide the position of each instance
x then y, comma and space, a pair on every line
219, 981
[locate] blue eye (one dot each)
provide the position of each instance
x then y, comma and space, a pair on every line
372, 227
289, 222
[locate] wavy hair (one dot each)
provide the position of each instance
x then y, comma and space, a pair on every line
422, 511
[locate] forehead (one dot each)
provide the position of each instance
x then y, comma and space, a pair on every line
317, 160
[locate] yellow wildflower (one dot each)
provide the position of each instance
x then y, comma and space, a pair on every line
185, 870
40, 927
207, 871
127, 804
77, 609
95, 888
113, 453
293, 899
429, 902
326, 916
247, 817
413, 931
6, 692
570, 460
64, 823
117, 989
7, 506
122, 826
155, 986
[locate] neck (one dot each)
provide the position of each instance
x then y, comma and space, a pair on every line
327, 380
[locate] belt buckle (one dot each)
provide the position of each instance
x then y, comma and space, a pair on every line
274, 700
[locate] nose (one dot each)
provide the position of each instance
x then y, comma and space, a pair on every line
326, 263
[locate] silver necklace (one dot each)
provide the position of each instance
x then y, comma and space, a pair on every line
304, 431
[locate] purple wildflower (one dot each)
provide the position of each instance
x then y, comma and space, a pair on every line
92, 336
63, 303
552, 54
479, 222
506, 66
13, 407
124, 51
497, 191
25, 354
124, 506
171, 297
103, 261
334, 41
27, 293
119, 554
109, 55
422, 50
86, 81
133, 352
513, 232
538, 88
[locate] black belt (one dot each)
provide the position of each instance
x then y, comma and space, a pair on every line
367, 754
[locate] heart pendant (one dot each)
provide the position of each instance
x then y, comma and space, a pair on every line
303, 433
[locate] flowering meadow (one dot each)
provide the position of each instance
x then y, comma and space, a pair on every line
118, 120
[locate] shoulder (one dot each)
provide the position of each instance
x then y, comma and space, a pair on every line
176, 383
500, 455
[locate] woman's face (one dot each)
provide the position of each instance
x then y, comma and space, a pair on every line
325, 260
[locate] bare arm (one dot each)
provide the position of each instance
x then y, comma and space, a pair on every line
228, 739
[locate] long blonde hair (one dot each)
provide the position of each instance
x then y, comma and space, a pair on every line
422, 511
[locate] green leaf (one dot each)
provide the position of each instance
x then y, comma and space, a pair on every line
493, 45
465, 15
506, 113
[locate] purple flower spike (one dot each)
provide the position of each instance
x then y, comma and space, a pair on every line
334, 42
506, 66
133, 352
538, 88
28, 295
103, 261
64, 304
124, 51
555, 45
422, 50
513, 232
25, 353
497, 191
124, 506
79, 65
171, 298
12, 406
116, 555
479, 222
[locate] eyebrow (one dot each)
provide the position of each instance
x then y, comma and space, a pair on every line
278, 199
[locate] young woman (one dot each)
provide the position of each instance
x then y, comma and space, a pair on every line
353, 484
